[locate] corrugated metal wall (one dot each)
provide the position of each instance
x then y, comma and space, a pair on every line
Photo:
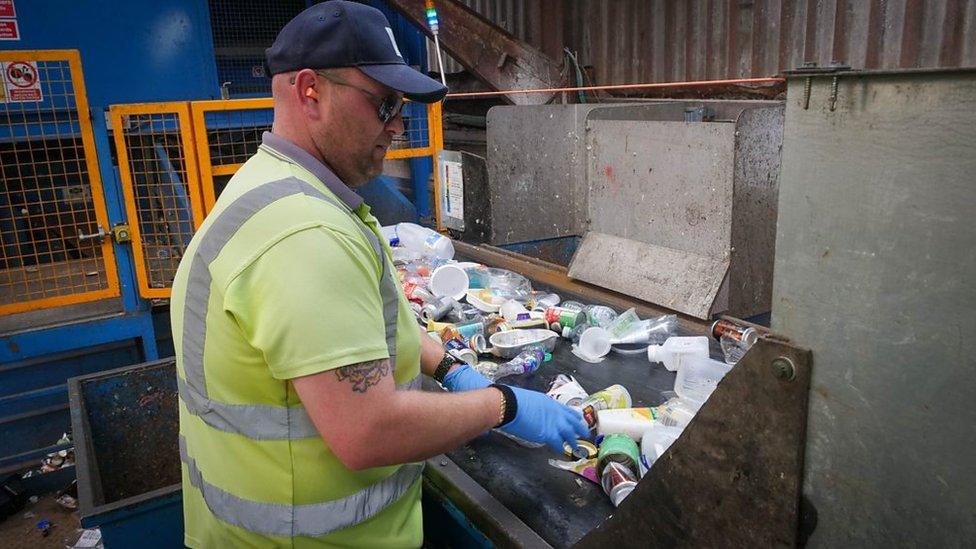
511, 15
629, 41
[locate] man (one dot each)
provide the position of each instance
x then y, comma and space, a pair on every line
298, 357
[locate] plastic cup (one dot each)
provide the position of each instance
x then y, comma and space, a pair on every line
449, 280
595, 342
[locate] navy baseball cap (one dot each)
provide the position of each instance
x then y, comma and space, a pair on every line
339, 33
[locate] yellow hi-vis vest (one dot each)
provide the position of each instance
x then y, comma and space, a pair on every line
255, 470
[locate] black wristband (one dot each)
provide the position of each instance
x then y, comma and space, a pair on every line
511, 404
443, 367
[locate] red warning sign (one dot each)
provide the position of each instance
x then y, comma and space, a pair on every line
7, 8
9, 29
22, 81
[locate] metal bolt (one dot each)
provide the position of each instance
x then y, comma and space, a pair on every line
833, 94
807, 87
783, 369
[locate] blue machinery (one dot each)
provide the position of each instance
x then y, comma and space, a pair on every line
130, 52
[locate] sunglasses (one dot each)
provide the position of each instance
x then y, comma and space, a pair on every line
387, 107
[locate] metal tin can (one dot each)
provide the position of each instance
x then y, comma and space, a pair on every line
436, 309
460, 350
470, 329
729, 329
584, 450
619, 449
614, 396
618, 482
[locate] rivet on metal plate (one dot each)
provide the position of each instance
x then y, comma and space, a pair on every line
783, 369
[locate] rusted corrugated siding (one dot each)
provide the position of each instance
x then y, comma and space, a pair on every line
629, 41
665, 40
511, 15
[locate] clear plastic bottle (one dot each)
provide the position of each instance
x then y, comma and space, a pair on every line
424, 241
526, 362
676, 349
697, 377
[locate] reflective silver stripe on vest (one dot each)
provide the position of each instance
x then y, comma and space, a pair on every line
260, 422
314, 519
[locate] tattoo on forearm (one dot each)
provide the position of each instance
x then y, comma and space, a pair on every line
365, 374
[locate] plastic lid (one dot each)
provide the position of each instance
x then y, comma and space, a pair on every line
449, 280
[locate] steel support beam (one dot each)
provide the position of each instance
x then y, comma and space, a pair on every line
488, 51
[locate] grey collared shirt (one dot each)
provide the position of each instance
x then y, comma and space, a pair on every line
324, 174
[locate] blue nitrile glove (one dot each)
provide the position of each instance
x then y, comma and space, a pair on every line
542, 419
465, 378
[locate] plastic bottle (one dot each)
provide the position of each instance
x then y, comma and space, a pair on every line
424, 241
654, 443
389, 232
633, 422
526, 362
676, 349
697, 377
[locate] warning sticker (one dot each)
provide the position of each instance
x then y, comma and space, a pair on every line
9, 29
7, 8
22, 81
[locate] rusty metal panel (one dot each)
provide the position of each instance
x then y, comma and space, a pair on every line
733, 477
662, 182
683, 281
541, 194
758, 141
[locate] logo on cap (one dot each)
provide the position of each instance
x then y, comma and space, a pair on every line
389, 32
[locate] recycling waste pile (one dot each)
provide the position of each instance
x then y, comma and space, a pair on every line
493, 320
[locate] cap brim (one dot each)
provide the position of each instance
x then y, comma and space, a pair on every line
414, 85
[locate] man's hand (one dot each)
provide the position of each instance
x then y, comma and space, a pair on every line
542, 419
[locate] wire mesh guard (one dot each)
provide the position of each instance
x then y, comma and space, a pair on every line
415, 128
242, 29
160, 192
48, 223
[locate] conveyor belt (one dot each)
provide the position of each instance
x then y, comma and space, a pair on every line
558, 505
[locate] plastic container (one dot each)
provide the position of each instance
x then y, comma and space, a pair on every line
449, 280
654, 443
676, 349
650, 331
697, 377
545, 301
389, 232
614, 396
511, 310
600, 315
623, 324
509, 344
677, 412
633, 422
424, 241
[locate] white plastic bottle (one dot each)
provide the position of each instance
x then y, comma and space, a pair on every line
424, 241
673, 352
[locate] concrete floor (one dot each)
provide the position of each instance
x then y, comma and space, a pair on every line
19, 530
